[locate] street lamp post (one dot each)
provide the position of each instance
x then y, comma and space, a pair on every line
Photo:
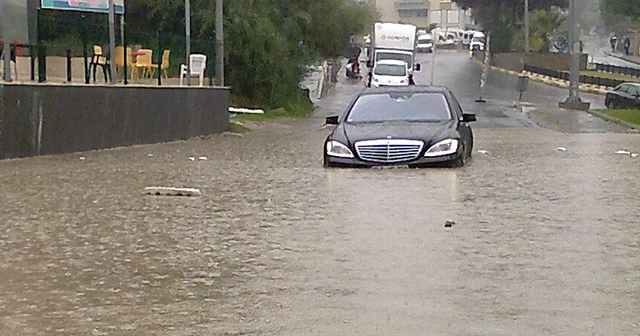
112, 39
526, 26
6, 51
187, 23
219, 44
574, 102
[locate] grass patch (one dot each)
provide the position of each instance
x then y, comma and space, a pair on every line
297, 106
608, 75
630, 116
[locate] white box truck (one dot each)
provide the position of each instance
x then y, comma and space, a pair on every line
394, 41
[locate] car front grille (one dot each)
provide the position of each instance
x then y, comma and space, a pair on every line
388, 151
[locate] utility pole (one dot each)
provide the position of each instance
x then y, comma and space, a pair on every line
219, 44
187, 21
112, 41
526, 26
574, 102
6, 48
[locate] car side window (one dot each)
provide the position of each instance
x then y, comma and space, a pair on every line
456, 106
633, 90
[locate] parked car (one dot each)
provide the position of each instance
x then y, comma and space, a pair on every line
623, 96
415, 126
424, 43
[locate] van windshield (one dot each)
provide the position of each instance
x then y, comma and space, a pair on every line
390, 70
395, 56
478, 39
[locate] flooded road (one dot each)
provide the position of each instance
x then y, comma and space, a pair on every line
545, 241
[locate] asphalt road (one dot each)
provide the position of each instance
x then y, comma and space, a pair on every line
545, 240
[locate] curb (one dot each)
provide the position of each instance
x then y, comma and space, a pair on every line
557, 82
621, 57
603, 116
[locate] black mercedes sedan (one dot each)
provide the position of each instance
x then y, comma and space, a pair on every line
623, 96
414, 126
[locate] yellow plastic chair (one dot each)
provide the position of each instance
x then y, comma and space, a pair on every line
120, 60
165, 63
99, 60
144, 64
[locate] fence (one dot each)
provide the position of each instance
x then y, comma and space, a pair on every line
566, 76
65, 49
617, 69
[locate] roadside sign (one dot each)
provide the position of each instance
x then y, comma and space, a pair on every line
96, 6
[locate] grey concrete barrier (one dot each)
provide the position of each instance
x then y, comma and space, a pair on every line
38, 119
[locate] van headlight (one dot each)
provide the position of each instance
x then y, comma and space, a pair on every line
337, 149
444, 147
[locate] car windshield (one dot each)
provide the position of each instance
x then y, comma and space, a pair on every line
425, 40
394, 56
381, 107
390, 70
478, 39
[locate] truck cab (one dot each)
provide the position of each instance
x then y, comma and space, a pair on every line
394, 41
389, 72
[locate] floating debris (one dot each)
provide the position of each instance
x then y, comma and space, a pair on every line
562, 149
245, 110
482, 151
150, 155
203, 158
192, 158
82, 158
171, 191
623, 152
449, 224
634, 155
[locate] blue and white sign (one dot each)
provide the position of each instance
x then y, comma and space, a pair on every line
96, 6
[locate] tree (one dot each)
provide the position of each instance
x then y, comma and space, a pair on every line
504, 19
626, 8
268, 43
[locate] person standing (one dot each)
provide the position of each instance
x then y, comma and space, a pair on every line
613, 41
627, 45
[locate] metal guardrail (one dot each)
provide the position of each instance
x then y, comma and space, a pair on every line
565, 76
617, 69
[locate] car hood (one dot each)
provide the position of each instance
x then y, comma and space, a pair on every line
425, 131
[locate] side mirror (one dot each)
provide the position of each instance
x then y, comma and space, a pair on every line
418, 67
369, 64
332, 120
469, 117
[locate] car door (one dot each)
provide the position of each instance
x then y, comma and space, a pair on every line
634, 96
629, 97
463, 127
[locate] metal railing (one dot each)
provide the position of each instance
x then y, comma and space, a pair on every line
617, 69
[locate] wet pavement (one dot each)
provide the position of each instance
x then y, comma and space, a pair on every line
599, 50
545, 240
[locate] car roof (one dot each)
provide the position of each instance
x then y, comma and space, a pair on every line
631, 83
406, 89
391, 62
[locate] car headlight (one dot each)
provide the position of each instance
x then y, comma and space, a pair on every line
444, 147
337, 149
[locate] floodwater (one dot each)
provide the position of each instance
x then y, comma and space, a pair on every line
545, 241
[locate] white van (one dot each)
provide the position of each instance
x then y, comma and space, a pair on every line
477, 42
389, 72
424, 43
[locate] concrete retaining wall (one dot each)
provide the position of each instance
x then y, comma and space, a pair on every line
52, 119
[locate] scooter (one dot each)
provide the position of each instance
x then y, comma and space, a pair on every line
352, 70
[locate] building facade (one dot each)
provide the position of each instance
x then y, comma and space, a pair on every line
422, 13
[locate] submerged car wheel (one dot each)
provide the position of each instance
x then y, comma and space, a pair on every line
460, 160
